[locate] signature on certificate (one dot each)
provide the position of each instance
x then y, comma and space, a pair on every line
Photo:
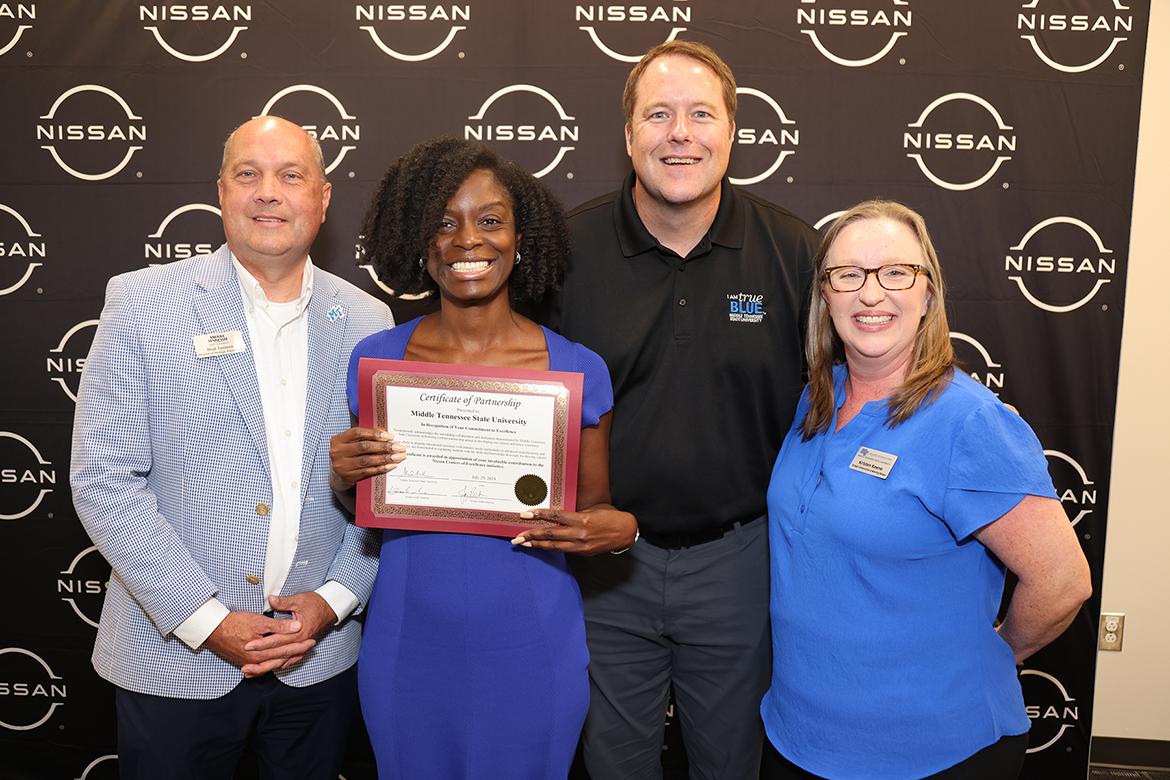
469, 492
409, 490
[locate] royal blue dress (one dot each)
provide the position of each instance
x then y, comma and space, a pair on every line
473, 663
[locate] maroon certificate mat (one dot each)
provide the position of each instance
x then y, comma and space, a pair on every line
483, 445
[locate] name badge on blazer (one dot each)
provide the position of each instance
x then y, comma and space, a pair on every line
219, 344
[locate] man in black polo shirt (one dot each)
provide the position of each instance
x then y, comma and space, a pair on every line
692, 291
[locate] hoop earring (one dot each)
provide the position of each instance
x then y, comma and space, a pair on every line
422, 263
517, 256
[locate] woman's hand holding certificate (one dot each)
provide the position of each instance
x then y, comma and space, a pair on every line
360, 453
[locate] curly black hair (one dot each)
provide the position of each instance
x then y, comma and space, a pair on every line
409, 203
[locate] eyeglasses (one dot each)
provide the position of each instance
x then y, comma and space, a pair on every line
851, 278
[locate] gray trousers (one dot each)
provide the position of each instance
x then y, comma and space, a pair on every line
696, 618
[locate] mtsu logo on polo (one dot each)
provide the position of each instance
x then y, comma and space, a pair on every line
854, 34
414, 32
91, 132
626, 32
527, 124
959, 141
183, 31
10, 33
19, 254
1060, 264
1074, 42
335, 128
745, 307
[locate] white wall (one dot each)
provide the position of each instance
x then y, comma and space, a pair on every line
1132, 696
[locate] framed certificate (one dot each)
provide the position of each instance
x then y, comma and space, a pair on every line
483, 445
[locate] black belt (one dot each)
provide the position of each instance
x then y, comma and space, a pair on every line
683, 541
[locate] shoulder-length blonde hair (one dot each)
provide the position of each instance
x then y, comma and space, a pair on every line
933, 362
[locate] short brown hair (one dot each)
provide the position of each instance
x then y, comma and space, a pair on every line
696, 51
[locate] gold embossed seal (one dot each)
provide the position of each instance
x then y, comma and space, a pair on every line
531, 489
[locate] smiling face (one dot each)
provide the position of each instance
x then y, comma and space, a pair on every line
679, 137
471, 256
878, 327
272, 194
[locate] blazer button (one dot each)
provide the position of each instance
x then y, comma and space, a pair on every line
252, 579
262, 509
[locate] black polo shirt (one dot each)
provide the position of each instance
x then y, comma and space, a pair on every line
705, 352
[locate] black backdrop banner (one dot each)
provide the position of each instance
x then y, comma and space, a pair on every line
1011, 126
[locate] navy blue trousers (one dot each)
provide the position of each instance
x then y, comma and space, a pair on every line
296, 733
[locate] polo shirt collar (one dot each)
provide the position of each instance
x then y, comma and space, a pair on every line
727, 230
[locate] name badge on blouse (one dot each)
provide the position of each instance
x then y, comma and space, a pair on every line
871, 461
219, 344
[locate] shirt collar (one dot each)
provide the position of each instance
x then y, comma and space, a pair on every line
254, 296
726, 230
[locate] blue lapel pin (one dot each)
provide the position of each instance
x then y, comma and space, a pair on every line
335, 313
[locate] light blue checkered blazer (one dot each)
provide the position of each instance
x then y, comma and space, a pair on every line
170, 463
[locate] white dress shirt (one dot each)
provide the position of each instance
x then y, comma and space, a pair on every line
280, 347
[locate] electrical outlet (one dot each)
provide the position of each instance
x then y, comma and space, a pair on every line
1112, 626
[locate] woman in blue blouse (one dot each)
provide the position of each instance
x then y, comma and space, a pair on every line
903, 493
473, 663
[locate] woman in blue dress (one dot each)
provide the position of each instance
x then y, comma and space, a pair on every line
473, 663
902, 494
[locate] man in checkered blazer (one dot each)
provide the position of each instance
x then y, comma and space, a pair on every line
201, 471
